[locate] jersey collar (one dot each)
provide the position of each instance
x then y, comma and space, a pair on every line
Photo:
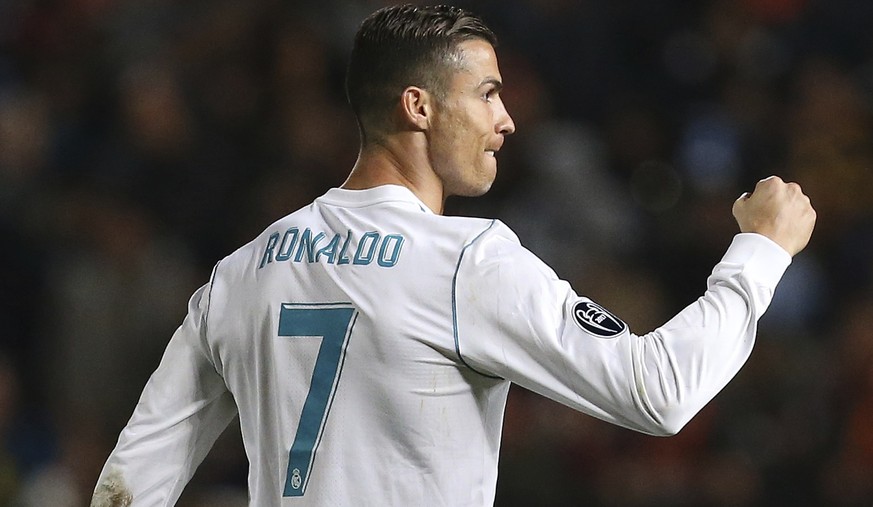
376, 195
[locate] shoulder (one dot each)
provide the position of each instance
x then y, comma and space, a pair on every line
493, 241
495, 258
248, 256
492, 235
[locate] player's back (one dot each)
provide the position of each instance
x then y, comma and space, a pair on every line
335, 332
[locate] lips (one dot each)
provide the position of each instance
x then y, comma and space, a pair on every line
495, 147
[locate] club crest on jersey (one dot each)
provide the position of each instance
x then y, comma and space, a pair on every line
597, 320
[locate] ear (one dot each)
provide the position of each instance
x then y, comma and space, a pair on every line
416, 106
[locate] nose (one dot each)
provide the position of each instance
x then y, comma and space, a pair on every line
507, 127
504, 124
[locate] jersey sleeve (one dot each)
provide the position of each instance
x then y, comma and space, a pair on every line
515, 319
183, 409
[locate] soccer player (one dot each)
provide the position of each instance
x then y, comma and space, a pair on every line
368, 342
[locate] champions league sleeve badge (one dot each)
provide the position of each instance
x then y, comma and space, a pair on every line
597, 320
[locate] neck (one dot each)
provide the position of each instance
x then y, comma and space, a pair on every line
398, 160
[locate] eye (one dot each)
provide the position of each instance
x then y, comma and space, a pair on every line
491, 90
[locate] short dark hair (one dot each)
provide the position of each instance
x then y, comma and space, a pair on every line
405, 45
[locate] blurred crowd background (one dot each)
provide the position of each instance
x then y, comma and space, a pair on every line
141, 141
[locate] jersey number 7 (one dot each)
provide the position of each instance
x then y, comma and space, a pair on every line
333, 324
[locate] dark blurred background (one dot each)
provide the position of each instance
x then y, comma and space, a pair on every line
141, 141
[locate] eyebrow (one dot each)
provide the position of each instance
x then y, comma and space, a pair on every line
498, 84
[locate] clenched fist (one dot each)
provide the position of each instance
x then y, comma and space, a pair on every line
778, 210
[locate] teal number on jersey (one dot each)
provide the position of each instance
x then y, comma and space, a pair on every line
333, 323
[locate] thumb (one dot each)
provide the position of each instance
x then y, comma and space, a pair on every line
741, 200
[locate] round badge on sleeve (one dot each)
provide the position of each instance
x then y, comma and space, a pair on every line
597, 320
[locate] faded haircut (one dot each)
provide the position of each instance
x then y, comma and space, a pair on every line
401, 46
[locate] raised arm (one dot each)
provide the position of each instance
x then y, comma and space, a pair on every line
518, 321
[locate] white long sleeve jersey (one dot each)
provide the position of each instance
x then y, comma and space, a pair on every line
368, 346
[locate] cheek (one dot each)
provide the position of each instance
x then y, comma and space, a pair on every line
454, 142
445, 155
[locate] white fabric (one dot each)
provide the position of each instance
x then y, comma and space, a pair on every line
428, 319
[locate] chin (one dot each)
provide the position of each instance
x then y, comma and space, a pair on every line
472, 183
485, 188
475, 190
